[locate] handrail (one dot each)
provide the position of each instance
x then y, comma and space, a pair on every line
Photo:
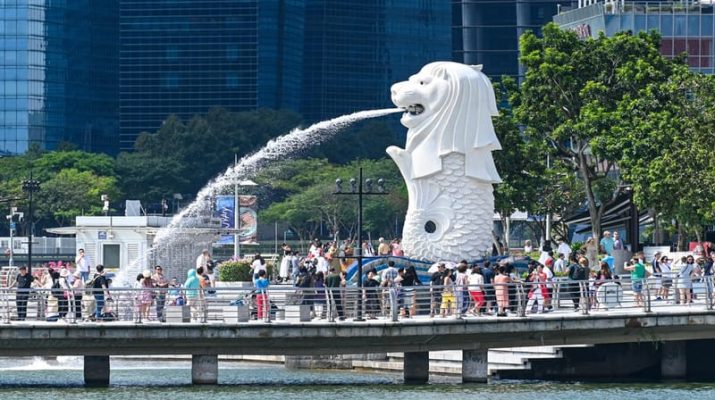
519, 298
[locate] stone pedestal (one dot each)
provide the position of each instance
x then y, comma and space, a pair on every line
236, 314
297, 313
177, 314
204, 369
619, 258
474, 365
96, 371
673, 360
416, 367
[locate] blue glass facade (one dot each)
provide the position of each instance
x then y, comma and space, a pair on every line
186, 56
354, 51
321, 58
684, 28
487, 31
58, 81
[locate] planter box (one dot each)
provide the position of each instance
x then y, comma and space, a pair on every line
234, 284
177, 314
236, 314
297, 313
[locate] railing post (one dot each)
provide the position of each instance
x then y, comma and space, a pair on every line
266, 307
646, 300
520, 294
585, 299
709, 292
72, 307
136, 307
6, 300
330, 303
394, 306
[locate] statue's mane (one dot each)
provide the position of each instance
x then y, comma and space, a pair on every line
462, 124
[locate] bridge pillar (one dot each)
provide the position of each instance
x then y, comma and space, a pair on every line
474, 365
204, 369
416, 367
96, 370
673, 360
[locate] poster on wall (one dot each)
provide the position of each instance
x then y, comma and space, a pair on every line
247, 222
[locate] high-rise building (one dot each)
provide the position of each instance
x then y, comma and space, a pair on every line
354, 51
58, 74
487, 31
186, 56
685, 27
317, 57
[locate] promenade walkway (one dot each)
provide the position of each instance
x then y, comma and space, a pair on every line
288, 330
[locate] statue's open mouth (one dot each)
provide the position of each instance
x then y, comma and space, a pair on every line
415, 109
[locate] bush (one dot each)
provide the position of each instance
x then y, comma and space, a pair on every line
239, 271
235, 271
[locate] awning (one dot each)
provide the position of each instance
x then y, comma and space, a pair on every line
617, 214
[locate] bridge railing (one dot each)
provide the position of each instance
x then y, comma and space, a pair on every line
392, 303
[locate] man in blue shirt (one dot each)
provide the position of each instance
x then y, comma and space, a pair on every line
607, 243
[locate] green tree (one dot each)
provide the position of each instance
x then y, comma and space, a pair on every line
520, 162
71, 192
665, 146
302, 194
182, 156
571, 95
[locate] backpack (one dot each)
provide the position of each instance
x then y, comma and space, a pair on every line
97, 282
577, 273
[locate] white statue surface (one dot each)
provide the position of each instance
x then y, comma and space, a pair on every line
447, 162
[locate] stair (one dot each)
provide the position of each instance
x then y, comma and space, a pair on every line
501, 359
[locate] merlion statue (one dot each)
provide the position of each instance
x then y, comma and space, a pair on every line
447, 161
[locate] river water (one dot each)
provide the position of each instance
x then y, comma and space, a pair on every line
137, 380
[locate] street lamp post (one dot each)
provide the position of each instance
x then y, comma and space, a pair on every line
356, 189
237, 216
30, 186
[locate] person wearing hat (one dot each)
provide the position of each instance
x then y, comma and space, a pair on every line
146, 296
64, 294
78, 291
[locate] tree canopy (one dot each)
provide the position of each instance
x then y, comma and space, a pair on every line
573, 96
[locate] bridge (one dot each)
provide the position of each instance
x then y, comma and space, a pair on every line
207, 338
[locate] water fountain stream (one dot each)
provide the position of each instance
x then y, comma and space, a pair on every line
280, 148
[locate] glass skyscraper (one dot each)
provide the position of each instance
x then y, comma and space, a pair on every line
186, 56
58, 81
354, 51
487, 31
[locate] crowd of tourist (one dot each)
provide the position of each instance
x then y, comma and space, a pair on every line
80, 291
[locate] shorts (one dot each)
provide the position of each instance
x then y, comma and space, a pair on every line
637, 286
409, 297
667, 282
448, 301
478, 297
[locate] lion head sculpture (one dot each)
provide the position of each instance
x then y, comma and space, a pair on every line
448, 109
447, 162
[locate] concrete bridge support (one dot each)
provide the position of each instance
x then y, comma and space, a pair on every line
416, 367
474, 365
204, 369
96, 371
674, 360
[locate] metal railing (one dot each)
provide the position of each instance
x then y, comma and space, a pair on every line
655, 294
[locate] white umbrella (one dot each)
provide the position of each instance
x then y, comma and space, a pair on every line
434, 267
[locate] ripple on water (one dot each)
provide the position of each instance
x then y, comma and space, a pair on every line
273, 382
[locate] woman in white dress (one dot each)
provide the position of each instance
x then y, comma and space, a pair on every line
286, 264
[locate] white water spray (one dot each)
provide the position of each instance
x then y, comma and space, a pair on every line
282, 147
